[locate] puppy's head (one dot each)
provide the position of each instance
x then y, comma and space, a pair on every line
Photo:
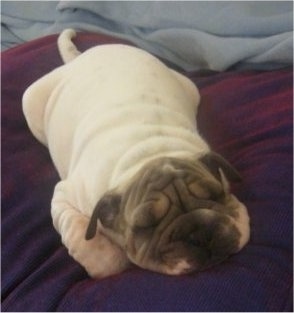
176, 216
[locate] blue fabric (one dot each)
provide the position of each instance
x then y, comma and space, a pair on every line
212, 35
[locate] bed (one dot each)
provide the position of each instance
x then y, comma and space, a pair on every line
246, 115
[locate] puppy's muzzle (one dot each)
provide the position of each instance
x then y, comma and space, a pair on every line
201, 238
175, 217
192, 242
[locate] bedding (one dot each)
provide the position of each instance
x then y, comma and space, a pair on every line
215, 35
245, 115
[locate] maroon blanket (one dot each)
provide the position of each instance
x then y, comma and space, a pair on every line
245, 116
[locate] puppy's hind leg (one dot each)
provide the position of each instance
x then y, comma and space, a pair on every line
66, 47
99, 256
35, 100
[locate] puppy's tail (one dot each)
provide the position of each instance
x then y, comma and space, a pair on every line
66, 47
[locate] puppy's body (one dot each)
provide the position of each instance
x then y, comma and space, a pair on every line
105, 116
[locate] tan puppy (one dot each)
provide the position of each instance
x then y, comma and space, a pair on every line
138, 183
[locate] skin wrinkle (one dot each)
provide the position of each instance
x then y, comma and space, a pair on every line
169, 138
129, 114
168, 196
190, 199
146, 178
144, 253
164, 221
181, 204
159, 204
185, 189
170, 240
156, 241
159, 229
203, 189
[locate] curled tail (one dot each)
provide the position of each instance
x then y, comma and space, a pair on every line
66, 47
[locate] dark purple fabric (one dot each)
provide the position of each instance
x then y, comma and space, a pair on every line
247, 117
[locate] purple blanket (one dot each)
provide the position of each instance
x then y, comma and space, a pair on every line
245, 116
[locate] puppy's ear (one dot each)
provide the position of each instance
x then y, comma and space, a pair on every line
217, 164
106, 210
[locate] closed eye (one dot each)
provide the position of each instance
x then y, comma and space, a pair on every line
143, 231
218, 196
160, 206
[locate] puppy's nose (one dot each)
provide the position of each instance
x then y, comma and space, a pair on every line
199, 239
217, 237
202, 238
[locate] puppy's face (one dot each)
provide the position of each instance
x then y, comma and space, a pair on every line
176, 216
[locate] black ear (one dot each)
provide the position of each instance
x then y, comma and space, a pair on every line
106, 210
215, 162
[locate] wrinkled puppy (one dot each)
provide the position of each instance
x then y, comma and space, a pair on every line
138, 183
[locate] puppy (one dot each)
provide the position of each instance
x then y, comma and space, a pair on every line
138, 183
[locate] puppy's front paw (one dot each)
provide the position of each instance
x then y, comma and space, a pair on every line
99, 256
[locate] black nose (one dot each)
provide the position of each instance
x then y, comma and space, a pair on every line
216, 237
208, 236
199, 238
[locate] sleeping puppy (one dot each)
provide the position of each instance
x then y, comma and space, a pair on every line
138, 183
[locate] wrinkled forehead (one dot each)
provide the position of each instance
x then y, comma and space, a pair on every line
159, 174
